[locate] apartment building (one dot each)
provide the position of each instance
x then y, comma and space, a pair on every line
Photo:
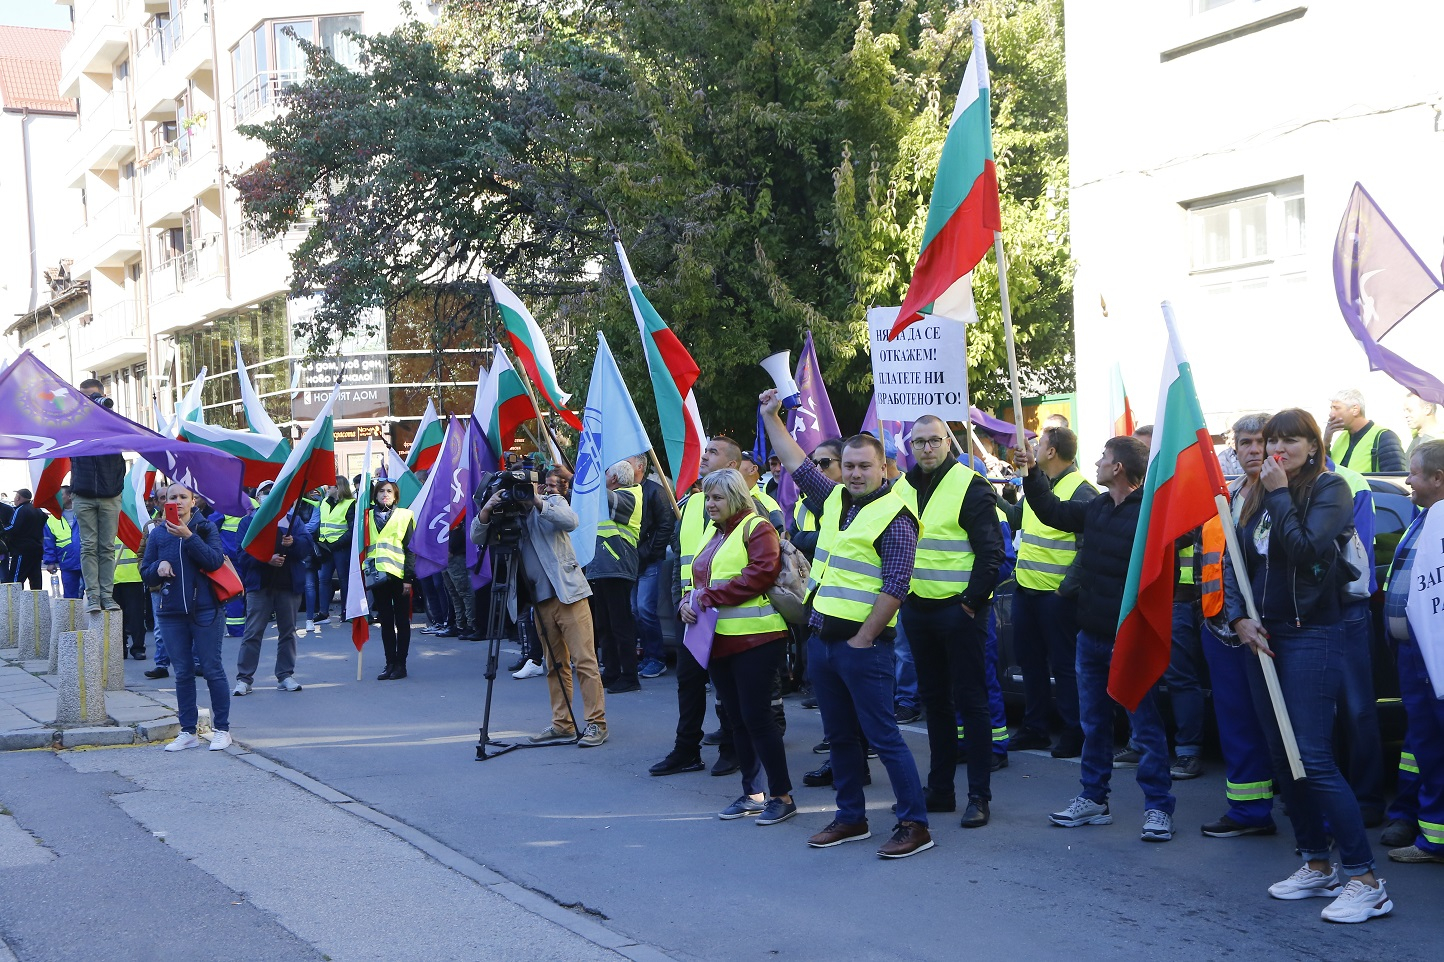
1213, 148
175, 278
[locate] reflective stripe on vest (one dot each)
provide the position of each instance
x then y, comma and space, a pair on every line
1213, 547
127, 565
333, 521
945, 558
1185, 565
631, 530
755, 616
847, 570
230, 524
803, 520
1045, 554
1362, 457
692, 535
388, 549
60, 531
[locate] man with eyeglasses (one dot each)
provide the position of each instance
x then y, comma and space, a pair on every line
945, 615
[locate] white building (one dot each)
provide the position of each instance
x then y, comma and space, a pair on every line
174, 278
1213, 147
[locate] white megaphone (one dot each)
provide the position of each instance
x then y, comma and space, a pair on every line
779, 367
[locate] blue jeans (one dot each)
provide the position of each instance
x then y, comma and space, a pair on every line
1095, 712
644, 611
854, 690
309, 581
338, 561
1044, 637
192, 638
438, 600
162, 657
1184, 688
1359, 712
1426, 731
905, 671
1311, 662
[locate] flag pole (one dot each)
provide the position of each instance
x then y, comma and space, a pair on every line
557, 452
666, 482
1008, 337
1266, 662
358, 661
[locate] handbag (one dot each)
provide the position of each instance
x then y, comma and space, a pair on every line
1356, 568
789, 594
226, 582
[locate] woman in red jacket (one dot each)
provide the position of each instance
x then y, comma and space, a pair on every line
738, 565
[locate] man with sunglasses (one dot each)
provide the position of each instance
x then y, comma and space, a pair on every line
945, 615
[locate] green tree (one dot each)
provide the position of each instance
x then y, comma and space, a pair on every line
767, 164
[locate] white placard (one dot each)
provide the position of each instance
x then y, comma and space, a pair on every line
1426, 596
924, 371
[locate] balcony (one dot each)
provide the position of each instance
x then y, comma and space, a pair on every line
256, 100
113, 337
102, 139
188, 288
180, 172
167, 56
109, 238
261, 266
99, 39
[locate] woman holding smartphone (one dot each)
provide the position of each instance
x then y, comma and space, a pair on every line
388, 565
1290, 529
177, 556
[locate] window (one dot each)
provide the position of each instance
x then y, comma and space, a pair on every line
1255, 227
270, 58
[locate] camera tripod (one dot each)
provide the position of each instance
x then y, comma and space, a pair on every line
504, 562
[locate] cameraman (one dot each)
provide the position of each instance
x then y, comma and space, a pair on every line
556, 586
96, 482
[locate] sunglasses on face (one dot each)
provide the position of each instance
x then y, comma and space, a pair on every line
824, 463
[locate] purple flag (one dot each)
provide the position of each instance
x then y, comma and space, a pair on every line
811, 422
998, 430
1380, 281
41, 416
895, 435
477, 455
441, 503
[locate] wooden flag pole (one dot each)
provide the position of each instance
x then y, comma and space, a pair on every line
358, 662
666, 482
1266, 662
1008, 336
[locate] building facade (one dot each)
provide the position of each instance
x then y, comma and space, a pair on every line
176, 280
1213, 148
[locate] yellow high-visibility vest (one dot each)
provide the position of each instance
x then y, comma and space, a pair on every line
755, 616
1044, 553
388, 546
945, 557
847, 570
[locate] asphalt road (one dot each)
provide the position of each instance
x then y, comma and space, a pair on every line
647, 857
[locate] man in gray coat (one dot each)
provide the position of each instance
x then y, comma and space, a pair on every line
563, 614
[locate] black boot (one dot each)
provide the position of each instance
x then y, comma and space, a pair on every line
385, 675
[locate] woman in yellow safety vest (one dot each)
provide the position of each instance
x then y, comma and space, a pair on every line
388, 564
738, 566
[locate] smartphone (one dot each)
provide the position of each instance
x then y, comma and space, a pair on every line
172, 512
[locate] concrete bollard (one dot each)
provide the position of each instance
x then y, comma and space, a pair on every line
80, 698
33, 624
8, 635
66, 614
107, 624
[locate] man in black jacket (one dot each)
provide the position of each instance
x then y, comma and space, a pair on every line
25, 537
658, 522
96, 483
1108, 524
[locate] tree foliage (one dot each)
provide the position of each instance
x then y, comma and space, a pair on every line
767, 164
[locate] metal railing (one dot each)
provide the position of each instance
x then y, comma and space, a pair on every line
192, 266
108, 326
262, 90
116, 217
249, 240
160, 43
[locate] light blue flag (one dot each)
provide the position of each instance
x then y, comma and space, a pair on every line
609, 403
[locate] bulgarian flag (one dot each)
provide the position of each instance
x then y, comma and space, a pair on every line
501, 404
532, 350
134, 515
190, 407
358, 606
427, 443
310, 465
261, 448
406, 481
1119, 409
1183, 480
673, 374
963, 214
47, 476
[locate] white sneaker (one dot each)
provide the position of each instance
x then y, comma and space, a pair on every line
1308, 883
183, 741
220, 741
310, 624
1082, 811
242, 689
1358, 902
1157, 826
289, 683
530, 670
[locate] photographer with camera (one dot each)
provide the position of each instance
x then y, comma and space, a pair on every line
540, 526
96, 482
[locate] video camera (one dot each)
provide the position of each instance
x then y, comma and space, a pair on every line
517, 486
